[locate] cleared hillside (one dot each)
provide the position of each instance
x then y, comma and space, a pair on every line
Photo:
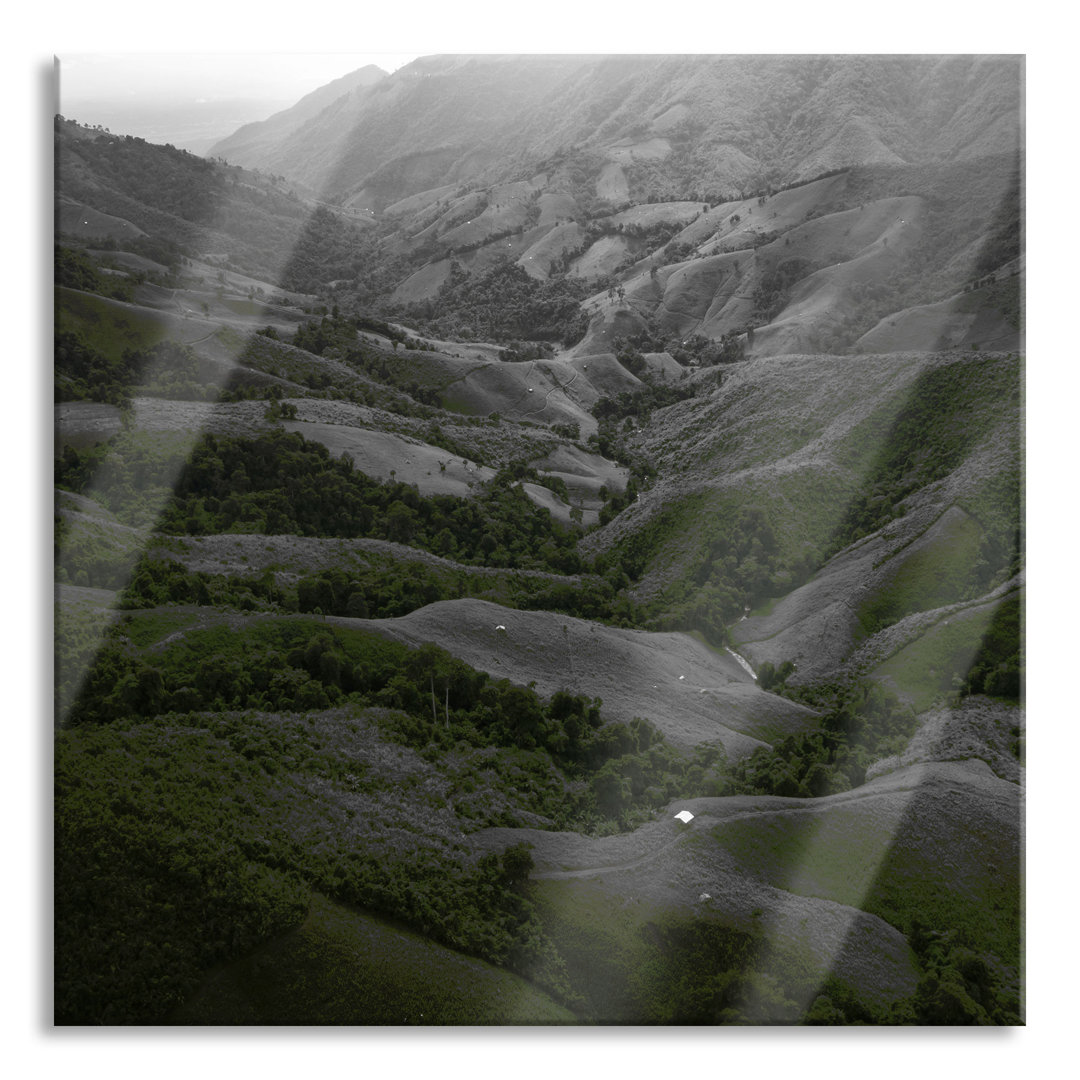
690, 692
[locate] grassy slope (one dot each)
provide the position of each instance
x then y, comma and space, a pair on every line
924, 671
939, 843
343, 966
689, 691
826, 448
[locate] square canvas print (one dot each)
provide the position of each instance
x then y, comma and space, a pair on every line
539, 540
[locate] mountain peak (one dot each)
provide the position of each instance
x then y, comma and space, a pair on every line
251, 137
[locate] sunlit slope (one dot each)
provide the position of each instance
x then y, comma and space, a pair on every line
923, 657
692, 693
826, 886
937, 841
878, 486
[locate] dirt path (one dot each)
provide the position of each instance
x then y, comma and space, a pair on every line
809, 806
558, 386
563, 875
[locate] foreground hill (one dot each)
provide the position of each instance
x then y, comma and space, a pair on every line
821, 880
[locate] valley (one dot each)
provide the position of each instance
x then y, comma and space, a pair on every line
460, 474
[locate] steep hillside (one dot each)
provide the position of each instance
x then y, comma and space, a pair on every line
823, 886
257, 138
727, 122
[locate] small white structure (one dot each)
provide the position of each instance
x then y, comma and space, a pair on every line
501, 627
685, 816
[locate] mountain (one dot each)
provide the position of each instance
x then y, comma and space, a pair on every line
252, 141
727, 123
824, 203
541, 539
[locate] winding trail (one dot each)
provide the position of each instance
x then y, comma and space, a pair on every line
558, 386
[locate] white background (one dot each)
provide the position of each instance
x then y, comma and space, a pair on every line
33, 33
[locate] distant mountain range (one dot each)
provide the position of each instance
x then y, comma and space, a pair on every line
711, 123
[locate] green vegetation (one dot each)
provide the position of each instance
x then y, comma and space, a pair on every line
81, 621
503, 304
950, 408
265, 813
774, 290
642, 964
298, 663
935, 664
230, 818
76, 270
383, 588
131, 475
326, 248
284, 484
190, 204
937, 572
966, 940
640, 403
104, 325
152, 881
164, 369
346, 967
736, 563
860, 723
94, 553
998, 667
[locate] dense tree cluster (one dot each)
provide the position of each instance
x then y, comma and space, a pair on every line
166, 369
83, 373
502, 304
640, 403
284, 484
163, 875
862, 724
326, 249
998, 668
74, 269
739, 563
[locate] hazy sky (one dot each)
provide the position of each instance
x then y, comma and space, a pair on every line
178, 78
192, 100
